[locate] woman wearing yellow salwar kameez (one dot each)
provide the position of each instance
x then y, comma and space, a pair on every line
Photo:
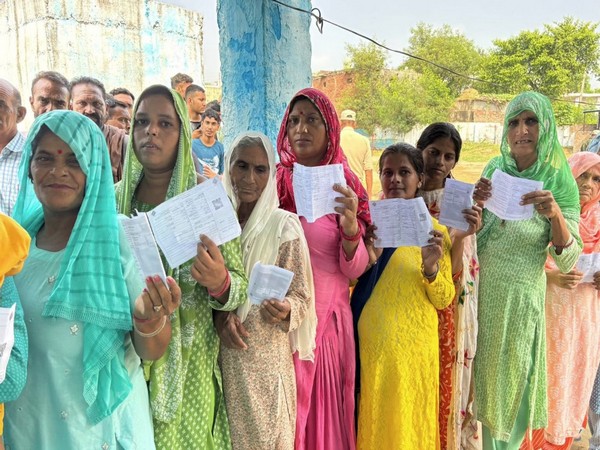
398, 326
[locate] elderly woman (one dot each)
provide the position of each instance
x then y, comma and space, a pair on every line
257, 341
573, 321
80, 289
399, 358
510, 366
185, 384
310, 135
440, 144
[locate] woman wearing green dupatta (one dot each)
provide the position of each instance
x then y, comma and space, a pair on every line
79, 288
185, 384
510, 365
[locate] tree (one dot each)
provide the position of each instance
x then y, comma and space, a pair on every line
553, 61
448, 48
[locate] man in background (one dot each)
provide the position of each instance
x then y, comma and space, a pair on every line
124, 96
357, 149
11, 144
195, 97
49, 91
209, 152
88, 98
180, 83
118, 114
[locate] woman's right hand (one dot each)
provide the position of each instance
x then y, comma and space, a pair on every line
230, 330
482, 191
370, 238
568, 280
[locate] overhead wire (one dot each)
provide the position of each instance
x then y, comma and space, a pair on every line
320, 21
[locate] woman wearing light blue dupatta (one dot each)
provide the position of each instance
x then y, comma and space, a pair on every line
79, 289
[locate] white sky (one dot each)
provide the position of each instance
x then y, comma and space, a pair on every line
390, 21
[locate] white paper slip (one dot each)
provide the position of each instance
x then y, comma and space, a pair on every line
506, 196
268, 282
178, 223
457, 197
7, 337
401, 223
589, 264
143, 246
313, 189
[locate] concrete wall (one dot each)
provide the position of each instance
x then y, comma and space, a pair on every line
132, 43
265, 58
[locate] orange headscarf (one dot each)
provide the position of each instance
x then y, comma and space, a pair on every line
589, 222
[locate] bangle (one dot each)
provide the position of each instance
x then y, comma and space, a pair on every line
138, 320
224, 288
562, 247
152, 334
431, 276
353, 238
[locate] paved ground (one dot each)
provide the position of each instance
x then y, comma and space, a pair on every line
583, 443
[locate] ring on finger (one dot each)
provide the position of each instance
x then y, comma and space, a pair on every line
157, 308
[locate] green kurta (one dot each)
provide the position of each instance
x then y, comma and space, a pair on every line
511, 342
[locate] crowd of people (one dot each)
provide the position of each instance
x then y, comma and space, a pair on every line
485, 338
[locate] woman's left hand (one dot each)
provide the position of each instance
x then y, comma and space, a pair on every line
432, 252
597, 281
157, 300
209, 268
275, 311
543, 202
473, 218
347, 209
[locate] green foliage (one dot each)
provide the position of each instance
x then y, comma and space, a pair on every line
554, 61
448, 48
394, 100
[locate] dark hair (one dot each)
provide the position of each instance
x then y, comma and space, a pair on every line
214, 105
120, 90
211, 113
88, 80
193, 88
34, 145
415, 157
112, 103
179, 78
54, 77
440, 130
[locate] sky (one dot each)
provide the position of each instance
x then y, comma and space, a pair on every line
390, 21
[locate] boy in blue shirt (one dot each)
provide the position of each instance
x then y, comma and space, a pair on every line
208, 151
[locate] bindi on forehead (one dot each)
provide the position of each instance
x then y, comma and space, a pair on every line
59, 151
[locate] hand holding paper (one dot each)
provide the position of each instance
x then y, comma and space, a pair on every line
401, 223
507, 193
313, 189
458, 196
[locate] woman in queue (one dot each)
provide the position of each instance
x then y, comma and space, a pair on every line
257, 341
510, 366
79, 289
14, 246
399, 358
440, 144
310, 135
186, 391
573, 321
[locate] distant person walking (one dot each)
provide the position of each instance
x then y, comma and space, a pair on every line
357, 149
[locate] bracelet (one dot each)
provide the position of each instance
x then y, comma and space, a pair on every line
562, 247
354, 238
431, 276
138, 320
152, 334
223, 289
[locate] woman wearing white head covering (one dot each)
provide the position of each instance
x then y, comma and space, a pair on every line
257, 342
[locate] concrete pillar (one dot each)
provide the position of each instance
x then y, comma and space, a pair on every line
265, 55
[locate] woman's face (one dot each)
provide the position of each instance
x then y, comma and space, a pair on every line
523, 134
249, 173
440, 159
307, 133
156, 133
58, 180
399, 179
589, 184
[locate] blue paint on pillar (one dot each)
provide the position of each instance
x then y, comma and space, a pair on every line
265, 55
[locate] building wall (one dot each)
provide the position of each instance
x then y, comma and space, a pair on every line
132, 43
